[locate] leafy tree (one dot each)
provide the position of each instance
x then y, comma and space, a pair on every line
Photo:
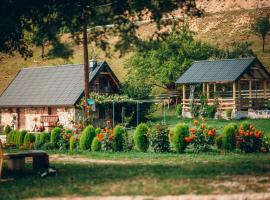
161, 62
81, 18
261, 27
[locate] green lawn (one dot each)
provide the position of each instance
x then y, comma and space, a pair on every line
137, 173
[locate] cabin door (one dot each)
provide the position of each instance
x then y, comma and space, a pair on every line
21, 118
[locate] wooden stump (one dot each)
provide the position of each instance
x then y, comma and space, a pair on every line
41, 162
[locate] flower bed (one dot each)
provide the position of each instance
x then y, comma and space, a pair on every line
200, 137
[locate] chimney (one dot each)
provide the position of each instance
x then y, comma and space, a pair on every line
92, 65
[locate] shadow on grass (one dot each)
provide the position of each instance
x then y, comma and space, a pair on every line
128, 179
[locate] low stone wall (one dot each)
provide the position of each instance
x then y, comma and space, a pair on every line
7, 116
66, 116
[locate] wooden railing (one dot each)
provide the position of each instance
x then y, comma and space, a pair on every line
224, 104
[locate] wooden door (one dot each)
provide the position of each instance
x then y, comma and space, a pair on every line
21, 118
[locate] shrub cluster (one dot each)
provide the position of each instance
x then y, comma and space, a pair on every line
141, 137
159, 138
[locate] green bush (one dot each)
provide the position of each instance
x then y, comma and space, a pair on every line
159, 141
87, 137
219, 141
96, 144
211, 111
178, 111
72, 143
29, 138
245, 126
229, 113
229, 137
20, 137
55, 136
7, 130
140, 137
47, 146
67, 131
180, 132
44, 138
11, 138
118, 141
98, 130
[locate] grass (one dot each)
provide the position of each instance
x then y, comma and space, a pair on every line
147, 174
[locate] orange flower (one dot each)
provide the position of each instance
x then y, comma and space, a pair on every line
100, 137
110, 137
192, 130
111, 131
196, 123
210, 133
203, 120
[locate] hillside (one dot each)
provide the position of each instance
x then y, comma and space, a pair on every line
218, 27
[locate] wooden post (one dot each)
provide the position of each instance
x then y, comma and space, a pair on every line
250, 89
215, 90
184, 95
250, 93
234, 93
207, 91
265, 89
239, 94
203, 89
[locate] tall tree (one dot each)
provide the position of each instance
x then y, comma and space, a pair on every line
261, 27
82, 15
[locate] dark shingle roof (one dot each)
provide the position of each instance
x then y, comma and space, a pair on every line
47, 86
216, 70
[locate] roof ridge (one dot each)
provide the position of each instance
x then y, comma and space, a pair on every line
224, 59
49, 66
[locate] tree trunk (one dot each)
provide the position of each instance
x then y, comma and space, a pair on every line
42, 51
86, 72
263, 40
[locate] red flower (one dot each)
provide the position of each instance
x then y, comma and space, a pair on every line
196, 123
211, 133
110, 137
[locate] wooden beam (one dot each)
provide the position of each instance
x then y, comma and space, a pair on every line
239, 94
234, 93
184, 95
207, 91
203, 90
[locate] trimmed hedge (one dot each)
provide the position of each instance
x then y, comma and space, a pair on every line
98, 130
29, 138
87, 137
44, 138
20, 137
118, 142
140, 137
180, 132
11, 138
96, 144
55, 136
229, 137
71, 143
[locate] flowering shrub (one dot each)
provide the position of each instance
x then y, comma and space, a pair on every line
96, 144
159, 138
201, 136
249, 139
106, 138
64, 140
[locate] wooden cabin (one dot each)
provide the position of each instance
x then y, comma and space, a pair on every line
242, 85
44, 96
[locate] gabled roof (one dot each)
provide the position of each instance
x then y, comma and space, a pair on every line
226, 70
48, 86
